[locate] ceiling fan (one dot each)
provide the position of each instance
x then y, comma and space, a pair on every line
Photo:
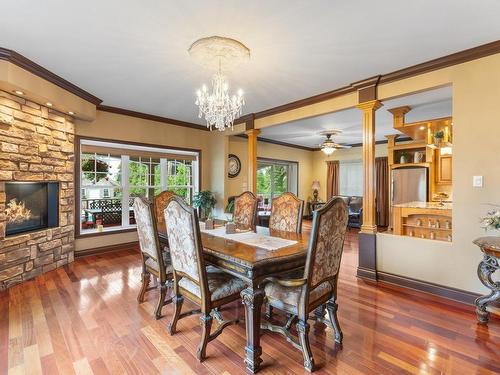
329, 146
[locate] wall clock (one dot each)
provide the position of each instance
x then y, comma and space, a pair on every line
233, 166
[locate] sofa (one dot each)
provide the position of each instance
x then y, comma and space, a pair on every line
355, 207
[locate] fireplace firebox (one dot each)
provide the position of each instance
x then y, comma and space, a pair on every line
31, 206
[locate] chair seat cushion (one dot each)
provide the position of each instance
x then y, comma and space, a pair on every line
220, 285
287, 298
153, 264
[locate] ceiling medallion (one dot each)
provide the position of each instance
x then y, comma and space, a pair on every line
217, 106
329, 146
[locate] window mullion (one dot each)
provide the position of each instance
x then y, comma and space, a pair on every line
125, 190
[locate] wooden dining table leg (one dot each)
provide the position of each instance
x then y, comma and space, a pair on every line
253, 298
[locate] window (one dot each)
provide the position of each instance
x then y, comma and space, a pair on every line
351, 178
113, 174
275, 177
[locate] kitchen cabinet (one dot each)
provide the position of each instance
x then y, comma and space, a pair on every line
443, 170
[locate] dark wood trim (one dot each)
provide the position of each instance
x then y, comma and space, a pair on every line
461, 57
146, 116
78, 139
366, 274
367, 256
367, 89
382, 142
104, 233
32, 67
305, 102
425, 67
448, 292
280, 143
107, 249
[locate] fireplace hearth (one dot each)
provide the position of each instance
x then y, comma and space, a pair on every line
31, 206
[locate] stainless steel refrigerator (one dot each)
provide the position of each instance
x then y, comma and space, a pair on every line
409, 185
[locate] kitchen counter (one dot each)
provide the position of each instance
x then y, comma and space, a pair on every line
429, 220
426, 205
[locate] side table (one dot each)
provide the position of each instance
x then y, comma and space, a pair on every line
490, 246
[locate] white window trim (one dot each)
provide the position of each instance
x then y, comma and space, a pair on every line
125, 186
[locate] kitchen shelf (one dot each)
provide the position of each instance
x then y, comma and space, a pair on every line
428, 228
398, 165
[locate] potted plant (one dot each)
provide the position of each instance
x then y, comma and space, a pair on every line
438, 138
205, 201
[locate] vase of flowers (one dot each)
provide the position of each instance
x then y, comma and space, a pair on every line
492, 220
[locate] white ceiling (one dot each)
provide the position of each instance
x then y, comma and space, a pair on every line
426, 105
133, 54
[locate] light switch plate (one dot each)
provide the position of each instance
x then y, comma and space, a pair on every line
477, 181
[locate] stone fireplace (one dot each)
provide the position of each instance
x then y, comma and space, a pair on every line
36, 189
31, 206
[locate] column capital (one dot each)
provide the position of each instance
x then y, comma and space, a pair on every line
252, 132
371, 105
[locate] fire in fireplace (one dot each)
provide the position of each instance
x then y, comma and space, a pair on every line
31, 206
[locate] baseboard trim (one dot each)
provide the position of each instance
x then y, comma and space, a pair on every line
106, 249
447, 292
366, 274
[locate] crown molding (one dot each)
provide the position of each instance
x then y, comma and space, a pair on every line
147, 116
366, 87
373, 82
280, 143
32, 67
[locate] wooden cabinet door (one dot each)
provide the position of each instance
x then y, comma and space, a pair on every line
444, 169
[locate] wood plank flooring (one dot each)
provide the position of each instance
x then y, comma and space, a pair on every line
84, 319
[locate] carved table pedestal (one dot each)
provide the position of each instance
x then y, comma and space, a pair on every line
490, 246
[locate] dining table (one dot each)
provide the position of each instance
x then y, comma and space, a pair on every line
253, 262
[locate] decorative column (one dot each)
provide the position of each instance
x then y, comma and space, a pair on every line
367, 236
252, 159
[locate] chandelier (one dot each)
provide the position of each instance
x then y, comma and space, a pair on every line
217, 106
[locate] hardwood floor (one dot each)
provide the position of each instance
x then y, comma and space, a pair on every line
84, 319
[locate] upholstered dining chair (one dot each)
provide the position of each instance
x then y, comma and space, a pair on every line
299, 297
191, 279
155, 261
286, 213
160, 203
245, 211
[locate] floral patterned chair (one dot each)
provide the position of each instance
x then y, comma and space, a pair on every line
299, 297
160, 203
286, 213
155, 261
191, 279
245, 211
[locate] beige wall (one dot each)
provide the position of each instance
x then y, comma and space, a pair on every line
213, 146
38, 90
320, 159
476, 94
238, 146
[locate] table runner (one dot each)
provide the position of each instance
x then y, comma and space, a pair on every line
250, 238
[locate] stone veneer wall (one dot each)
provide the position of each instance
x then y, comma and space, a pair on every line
36, 144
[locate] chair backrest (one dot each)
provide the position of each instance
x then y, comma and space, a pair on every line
160, 203
184, 240
245, 210
286, 213
326, 243
148, 234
